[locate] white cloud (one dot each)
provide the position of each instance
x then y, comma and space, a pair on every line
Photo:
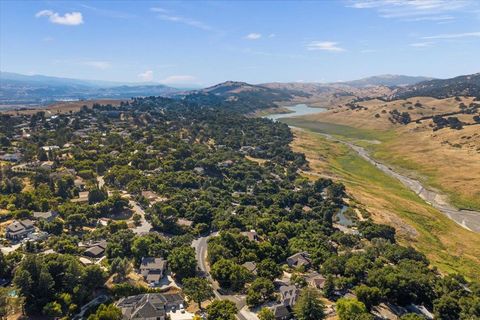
157, 9
97, 64
68, 19
165, 15
179, 79
433, 10
253, 36
325, 46
454, 35
421, 44
146, 76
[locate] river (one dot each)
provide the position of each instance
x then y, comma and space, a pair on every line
466, 218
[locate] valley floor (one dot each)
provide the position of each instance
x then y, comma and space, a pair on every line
450, 247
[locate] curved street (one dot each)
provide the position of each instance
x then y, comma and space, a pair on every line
200, 246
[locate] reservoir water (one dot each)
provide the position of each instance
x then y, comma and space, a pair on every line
297, 110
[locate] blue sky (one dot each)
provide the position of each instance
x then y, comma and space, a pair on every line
202, 43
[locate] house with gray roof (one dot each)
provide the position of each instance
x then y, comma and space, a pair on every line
280, 312
152, 270
298, 260
150, 306
48, 215
18, 230
289, 295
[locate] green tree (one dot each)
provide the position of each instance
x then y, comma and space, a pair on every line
106, 312
350, 309
52, 309
370, 296
182, 262
3, 302
198, 290
93, 277
269, 269
309, 306
446, 308
260, 291
229, 274
96, 195
221, 310
329, 287
266, 314
122, 267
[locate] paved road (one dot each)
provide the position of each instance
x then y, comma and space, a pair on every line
200, 246
144, 226
468, 219
95, 302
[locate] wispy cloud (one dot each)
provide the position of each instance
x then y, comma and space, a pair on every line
272, 54
414, 10
166, 15
179, 79
324, 46
97, 64
454, 35
68, 19
108, 13
253, 36
146, 76
421, 44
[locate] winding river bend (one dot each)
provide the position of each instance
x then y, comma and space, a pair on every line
466, 218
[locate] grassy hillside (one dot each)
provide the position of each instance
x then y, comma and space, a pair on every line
444, 159
450, 247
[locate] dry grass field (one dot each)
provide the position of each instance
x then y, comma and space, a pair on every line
450, 247
446, 159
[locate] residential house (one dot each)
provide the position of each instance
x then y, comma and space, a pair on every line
152, 270
79, 183
82, 197
250, 266
316, 281
280, 312
150, 306
152, 197
11, 157
95, 249
47, 216
18, 230
184, 222
251, 235
298, 260
289, 295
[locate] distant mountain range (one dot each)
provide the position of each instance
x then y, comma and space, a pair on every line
38, 89
17, 89
388, 80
